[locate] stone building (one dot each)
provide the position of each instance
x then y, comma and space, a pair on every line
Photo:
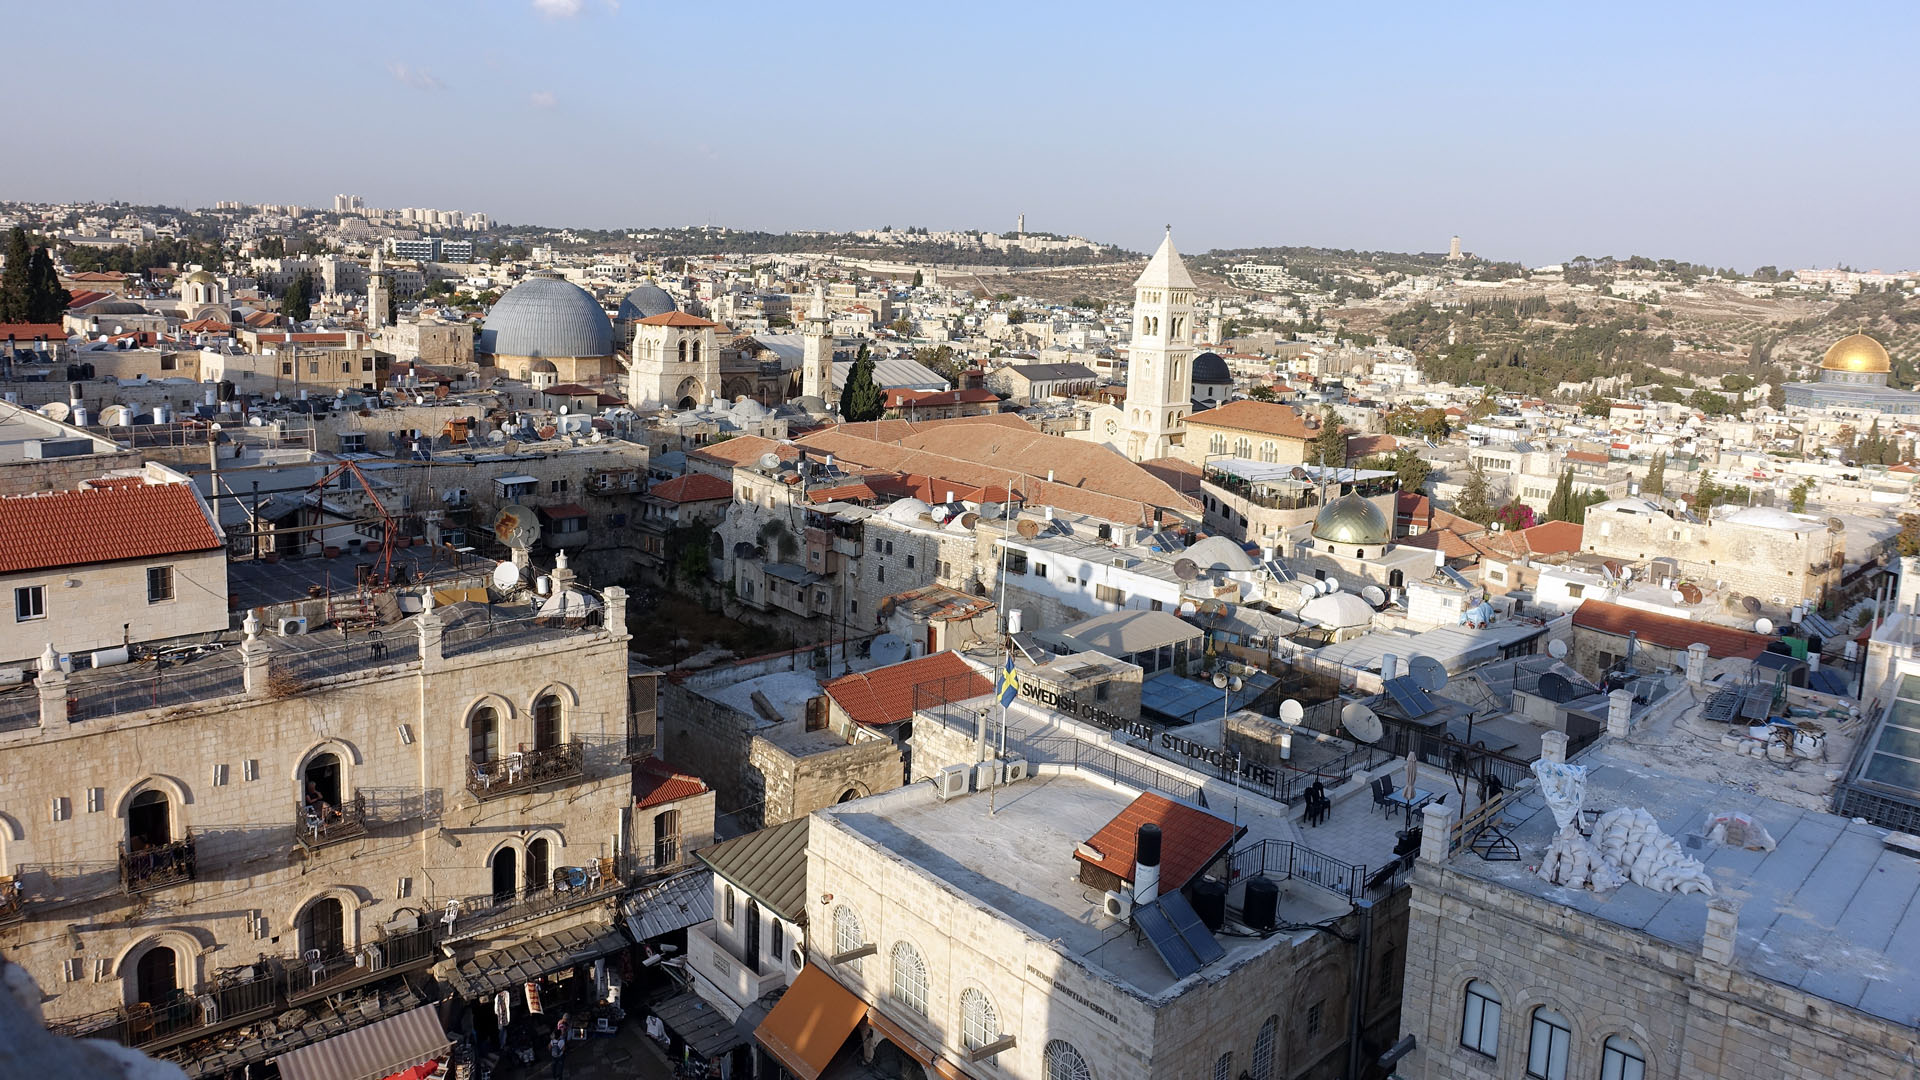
548, 318
299, 818
1778, 558
1796, 964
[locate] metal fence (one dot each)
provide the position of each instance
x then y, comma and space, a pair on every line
1287, 859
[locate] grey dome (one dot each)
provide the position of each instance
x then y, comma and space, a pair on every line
546, 316
644, 303
544, 367
1210, 369
114, 307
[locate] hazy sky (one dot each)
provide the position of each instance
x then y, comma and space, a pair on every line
1734, 134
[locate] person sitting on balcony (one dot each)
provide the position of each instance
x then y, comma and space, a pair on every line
318, 805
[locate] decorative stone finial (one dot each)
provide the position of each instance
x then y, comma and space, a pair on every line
49, 660
560, 559
426, 599
251, 625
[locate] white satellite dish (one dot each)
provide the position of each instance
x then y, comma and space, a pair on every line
1361, 723
256, 421
1626, 573
1375, 595
1677, 596
770, 460
55, 410
1427, 672
1333, 585
1188, 609
116, 416
506, 576
1557, 650
1763, 626
1292, 711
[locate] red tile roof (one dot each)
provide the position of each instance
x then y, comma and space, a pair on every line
106, 523
27, 331
676, 318
901, 397
1189, 839
1554, 537
83, 297
844, 493
571, 390
563, 510
886, 695
208, 325
1260, 417
1586, 457
305, 339
656, 782
1667, 631
693, 487
96, 275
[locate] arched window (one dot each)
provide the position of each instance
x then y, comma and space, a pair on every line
1547, 1045
1223, 1066
1263, 1049
156, 977
505, 874
726, 905
776, 938
696, 352
546, 722
539, 863
979, 1021
909, 978
1621, 1059
1217, 444
1480, 1019
1060, 1061
149, 821
323, 927
483, 735
683, 351
751, 947
322, 786
847, 935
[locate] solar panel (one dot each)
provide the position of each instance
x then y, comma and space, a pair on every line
1408, 695
1173, 949
1454, 576
1192, 930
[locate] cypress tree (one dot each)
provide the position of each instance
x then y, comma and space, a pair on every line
860, 398
15, 281
1559, 507
1656, 483
293, 303
46, 299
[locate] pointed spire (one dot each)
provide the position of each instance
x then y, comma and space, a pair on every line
1165, 270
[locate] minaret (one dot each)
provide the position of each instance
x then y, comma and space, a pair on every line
1159, 360
816, 356
378, 291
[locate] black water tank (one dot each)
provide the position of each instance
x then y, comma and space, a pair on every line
1146, 849
1210, 902
1261, 906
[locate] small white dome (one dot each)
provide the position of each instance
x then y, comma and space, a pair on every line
905, 511
1219, 553
1767, 517
1338, 611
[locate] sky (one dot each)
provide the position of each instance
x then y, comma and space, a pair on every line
1726, 134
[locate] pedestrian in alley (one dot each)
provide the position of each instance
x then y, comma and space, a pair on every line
558, 1048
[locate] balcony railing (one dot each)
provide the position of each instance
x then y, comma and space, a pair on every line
571, 887
310, 978
524, 770
319, 826
639, 747
252, 992
157, 867
13, 902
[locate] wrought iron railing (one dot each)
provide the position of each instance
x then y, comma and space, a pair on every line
570, 887
319, 826
524, 770
1287, 859
311, 977
639, 747
157, 867
241, 995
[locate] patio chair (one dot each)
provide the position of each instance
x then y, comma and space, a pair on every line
1383, 793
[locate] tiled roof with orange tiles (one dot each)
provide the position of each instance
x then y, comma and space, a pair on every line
843, 493
933, 489
1190, 839
1413, 508
1554, 537
261, 318
28, 331
208, 325
1667, 631
744, 450
1361, 446
676, 318
656, 782
96, 275
83, 297
1586, 457
1449, 533
886, 695
693, 487
1260, 417
101, 524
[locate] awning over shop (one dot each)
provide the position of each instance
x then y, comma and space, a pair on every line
488, 973
811, 1023
703, 1027
900, 1037
674, 904
372, 1052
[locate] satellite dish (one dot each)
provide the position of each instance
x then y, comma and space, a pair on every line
1333, 585
116, 416
991, 511
1186, 569
1189, 609
939, 514
1028, 528
1835, 525
1292, 711
256, 421
1751, 604
496, 438
968, 521
1626, 573
1763, 626
1375, 595
55, 410
1311, 585
770, 460
1427, 672
887, 649
505, 576
1557, 650
1361, 723
1677, 596
1298, 473
516, 527
1555, 687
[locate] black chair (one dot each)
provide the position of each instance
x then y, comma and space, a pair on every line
1383, 793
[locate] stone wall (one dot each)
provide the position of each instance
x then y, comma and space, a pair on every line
795, 785
104, 605
1690, 1017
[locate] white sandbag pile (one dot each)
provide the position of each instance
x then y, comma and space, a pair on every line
1572, 859
1631, 841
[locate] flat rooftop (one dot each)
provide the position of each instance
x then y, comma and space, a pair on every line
1036, 826
1830, 911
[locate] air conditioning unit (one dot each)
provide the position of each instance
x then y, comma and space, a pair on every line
950, 781
293, 626
1118, 905
986, 775
1016, 769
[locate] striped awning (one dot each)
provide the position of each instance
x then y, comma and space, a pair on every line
372, 1052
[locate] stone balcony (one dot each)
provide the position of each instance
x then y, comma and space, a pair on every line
526, 770
157, 868
317, 828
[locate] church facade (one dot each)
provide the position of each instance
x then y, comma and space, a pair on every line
1151, 422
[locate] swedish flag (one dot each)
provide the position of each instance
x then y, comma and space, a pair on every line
1009, 686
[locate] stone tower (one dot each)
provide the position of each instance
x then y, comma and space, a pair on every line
1159, 361
816, 358
379, 291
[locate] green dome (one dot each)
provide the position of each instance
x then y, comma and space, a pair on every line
1351, 519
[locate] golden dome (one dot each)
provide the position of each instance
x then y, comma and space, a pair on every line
1857, 353
1352, 519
